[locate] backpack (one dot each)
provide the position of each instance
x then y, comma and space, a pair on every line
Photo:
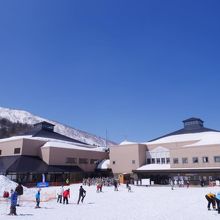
5, 194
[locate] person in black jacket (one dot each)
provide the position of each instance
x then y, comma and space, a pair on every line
82, 194
19, 190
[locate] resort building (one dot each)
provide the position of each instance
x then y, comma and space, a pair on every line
42, 151
191, 153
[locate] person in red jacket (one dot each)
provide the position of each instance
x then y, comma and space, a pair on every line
66, 195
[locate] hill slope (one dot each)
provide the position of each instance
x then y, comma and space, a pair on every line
28, 119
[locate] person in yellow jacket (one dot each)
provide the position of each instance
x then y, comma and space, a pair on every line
211, 200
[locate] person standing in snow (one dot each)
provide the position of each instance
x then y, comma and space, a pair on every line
115, 185
66, 196
19, 190
211, 200
60, 194
37, 196
82, 194
217, 199
13, 199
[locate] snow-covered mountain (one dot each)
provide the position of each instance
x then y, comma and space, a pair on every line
25, 117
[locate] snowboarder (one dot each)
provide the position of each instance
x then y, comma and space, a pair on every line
19, 190
37, 196
66, 196
217, 199
60, 194
82, 194
13, 198
211, 200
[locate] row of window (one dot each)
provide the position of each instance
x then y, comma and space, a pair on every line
158, 160
16, 151
73, 160
196, 160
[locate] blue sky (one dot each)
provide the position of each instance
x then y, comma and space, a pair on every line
135, 68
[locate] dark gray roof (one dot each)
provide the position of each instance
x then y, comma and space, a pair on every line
31, 164
44, 133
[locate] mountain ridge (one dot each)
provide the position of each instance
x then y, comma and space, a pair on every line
25, 117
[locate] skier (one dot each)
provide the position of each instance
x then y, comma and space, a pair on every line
60, 194
13, 198
37, 196
115, 185
82, 194
172, 184
19, 190
66, 195
211, 200
217, 199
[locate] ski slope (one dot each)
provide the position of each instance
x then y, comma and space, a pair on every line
156, 203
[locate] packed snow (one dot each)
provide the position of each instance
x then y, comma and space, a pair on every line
153, 202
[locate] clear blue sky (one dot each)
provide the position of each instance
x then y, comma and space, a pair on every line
137, 68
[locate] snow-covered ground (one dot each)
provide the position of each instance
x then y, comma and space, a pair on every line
142, 203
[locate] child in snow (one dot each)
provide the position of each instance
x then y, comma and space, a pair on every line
60, 194
211, 200
82, 194
115, 185
13, 198
37, 196
66, 195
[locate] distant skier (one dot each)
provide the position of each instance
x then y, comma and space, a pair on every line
217, 199
115, 185
66, 196
19, 190
60, 195
13, 198
37, 196
82, 194
172, 184
211, 200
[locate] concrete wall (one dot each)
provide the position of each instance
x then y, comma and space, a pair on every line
121, 157
7, 147
32, 147
57, 156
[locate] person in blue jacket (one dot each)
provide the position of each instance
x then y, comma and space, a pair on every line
13, 199
37, 196
217, 198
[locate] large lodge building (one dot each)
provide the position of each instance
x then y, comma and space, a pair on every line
191, 153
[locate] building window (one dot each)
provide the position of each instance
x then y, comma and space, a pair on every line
93, 161
17, 150
163, 160
153, 160
217, 159
167, 160
195, 160
158, 160
113, 162
175, 160
184, 160
148, 161
205, 159
71, 160
83, 160
133, 161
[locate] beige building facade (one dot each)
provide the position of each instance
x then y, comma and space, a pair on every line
25, 158
189, 154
